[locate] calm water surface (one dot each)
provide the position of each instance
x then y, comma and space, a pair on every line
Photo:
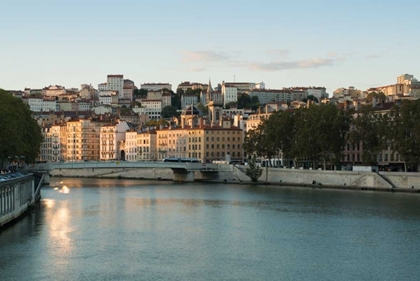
89, 229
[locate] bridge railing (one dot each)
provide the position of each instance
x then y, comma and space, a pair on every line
122, 164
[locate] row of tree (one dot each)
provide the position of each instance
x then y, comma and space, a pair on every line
20, 134
318, 134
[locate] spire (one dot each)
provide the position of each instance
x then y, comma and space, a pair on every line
209, 88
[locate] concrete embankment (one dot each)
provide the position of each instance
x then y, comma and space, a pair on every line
404, 182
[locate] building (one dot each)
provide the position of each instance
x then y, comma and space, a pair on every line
243, 87
166, 99
146, 145
130, 146
128, 93
188, 99
229, 94
193, 86
50, 149
115, 82
156, 86
151, 108
87, 92
284, 95
53, 91
102, 87
39, 104
112, 137
83, 137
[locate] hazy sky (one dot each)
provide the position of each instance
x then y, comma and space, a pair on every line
283, 43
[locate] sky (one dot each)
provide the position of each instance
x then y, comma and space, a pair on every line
281, 43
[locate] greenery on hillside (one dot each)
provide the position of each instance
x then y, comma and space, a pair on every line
20, 135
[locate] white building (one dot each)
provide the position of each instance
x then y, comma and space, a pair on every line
151, 108
188, 99
156, 86
166, 99
260, 85
115, 82
102, 87
243, 87
38, 104
110, 138
229, 94
131, 146
84, 105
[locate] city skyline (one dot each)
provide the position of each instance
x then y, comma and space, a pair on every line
304, 43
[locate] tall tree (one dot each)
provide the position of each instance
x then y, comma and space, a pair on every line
370, 128
169, 111
20, 135
404, 132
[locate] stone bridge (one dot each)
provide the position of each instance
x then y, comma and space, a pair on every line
182, 172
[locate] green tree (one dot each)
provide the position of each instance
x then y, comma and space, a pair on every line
155, 123
253, 171
169, 111
380, 97
312, 98
20, 135
203, 108
140, 93
370, 128
404, 132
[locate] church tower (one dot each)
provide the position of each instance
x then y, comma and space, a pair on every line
214, 104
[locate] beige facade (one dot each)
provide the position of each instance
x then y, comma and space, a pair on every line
146, 146
82, 140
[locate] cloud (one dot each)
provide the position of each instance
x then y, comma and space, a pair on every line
204, 56
373, 56
281, 65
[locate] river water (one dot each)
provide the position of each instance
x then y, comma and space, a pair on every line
100, 229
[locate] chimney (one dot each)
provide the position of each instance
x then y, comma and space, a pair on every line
182, 122
201, 122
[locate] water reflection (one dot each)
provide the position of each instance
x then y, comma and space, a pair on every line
129, 230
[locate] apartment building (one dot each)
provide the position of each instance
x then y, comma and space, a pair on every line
275, 95
146, 145
83, 137
53, 91
188, 99
229, 94
50, 149
115, 82
112, 141
156, 86
152, 108
39, 104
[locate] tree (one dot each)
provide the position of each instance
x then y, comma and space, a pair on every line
312, 98
20, 135
380, 97
154, 123
253, 171
404, 132
140, 93
370, 128
231, 104
203, 108
169, 111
